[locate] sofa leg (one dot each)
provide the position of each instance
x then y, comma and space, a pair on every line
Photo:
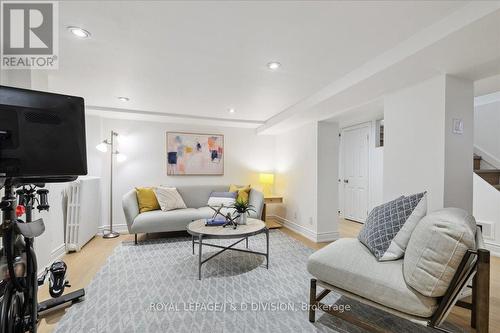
312, 301
482, 294
135, 239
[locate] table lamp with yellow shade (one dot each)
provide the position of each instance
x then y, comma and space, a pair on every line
267, 180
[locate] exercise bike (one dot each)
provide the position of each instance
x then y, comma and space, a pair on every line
19, 307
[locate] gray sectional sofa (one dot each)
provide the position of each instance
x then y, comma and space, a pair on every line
195, 198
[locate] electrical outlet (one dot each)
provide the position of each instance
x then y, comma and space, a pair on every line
295, 215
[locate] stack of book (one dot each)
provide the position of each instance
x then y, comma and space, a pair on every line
217, 221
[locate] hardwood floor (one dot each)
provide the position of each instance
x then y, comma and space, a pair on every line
82, 266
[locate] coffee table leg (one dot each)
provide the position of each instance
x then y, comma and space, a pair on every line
199, 257
192, 239
267, 248
247, 242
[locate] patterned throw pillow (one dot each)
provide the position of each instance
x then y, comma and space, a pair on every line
169, 198
387, 230
222, 198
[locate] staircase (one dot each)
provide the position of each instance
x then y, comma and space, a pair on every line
492, 176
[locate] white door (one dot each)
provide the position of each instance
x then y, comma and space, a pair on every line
355, 156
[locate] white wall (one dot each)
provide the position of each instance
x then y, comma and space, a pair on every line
414, 142
420, 152
296, 176
487, 133
144, 143
306, 175
458, 165
327, 193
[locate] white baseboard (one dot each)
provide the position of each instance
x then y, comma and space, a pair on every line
121, 228
58, 252
494, 248
327, 236
309, 234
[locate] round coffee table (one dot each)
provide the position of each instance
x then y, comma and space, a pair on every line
199, 232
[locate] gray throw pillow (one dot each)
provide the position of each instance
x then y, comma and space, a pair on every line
387, 220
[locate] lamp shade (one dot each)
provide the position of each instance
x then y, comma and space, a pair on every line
102, 147
266, 178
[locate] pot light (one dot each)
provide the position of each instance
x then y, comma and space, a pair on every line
273, 65
123, 99
231, 110
79, 32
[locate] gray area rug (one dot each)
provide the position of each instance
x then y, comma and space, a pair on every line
154, 287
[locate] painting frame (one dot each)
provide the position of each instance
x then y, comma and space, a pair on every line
171, 171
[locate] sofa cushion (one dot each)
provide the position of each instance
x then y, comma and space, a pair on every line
385, 222
146, 198
243, 192
196, 196
169, 198
160, 221
225, 199
436, 247
349, 265
205, 212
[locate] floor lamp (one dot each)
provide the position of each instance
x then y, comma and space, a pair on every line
103, 147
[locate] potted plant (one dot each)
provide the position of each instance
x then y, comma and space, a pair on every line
243, 208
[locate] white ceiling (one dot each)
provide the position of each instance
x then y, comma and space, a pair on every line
465, 44
201, 58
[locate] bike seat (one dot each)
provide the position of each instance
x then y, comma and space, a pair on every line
31, 229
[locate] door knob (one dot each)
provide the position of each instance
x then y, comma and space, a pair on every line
346, 181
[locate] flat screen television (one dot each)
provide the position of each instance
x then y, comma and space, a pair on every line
42, 135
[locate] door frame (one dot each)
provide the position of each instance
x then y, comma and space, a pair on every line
367, 125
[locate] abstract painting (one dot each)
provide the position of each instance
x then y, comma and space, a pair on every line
195, 154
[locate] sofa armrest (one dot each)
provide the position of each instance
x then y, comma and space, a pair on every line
130, 207
257, 201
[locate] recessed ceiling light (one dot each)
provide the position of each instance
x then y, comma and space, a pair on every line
231, 110
79, 32
273, 65
123, 99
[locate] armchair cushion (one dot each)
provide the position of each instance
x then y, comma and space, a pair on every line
436, 247
347, 264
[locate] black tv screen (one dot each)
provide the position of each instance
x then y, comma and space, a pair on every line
42, 135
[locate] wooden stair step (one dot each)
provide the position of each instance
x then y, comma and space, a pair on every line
477, 157
492, 176
497, 187
487, 171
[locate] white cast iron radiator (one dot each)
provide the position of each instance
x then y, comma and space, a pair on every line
82, 211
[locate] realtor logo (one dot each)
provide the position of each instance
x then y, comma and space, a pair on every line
29, 36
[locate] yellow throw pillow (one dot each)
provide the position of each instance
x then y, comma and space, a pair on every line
146, 198
243, 192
